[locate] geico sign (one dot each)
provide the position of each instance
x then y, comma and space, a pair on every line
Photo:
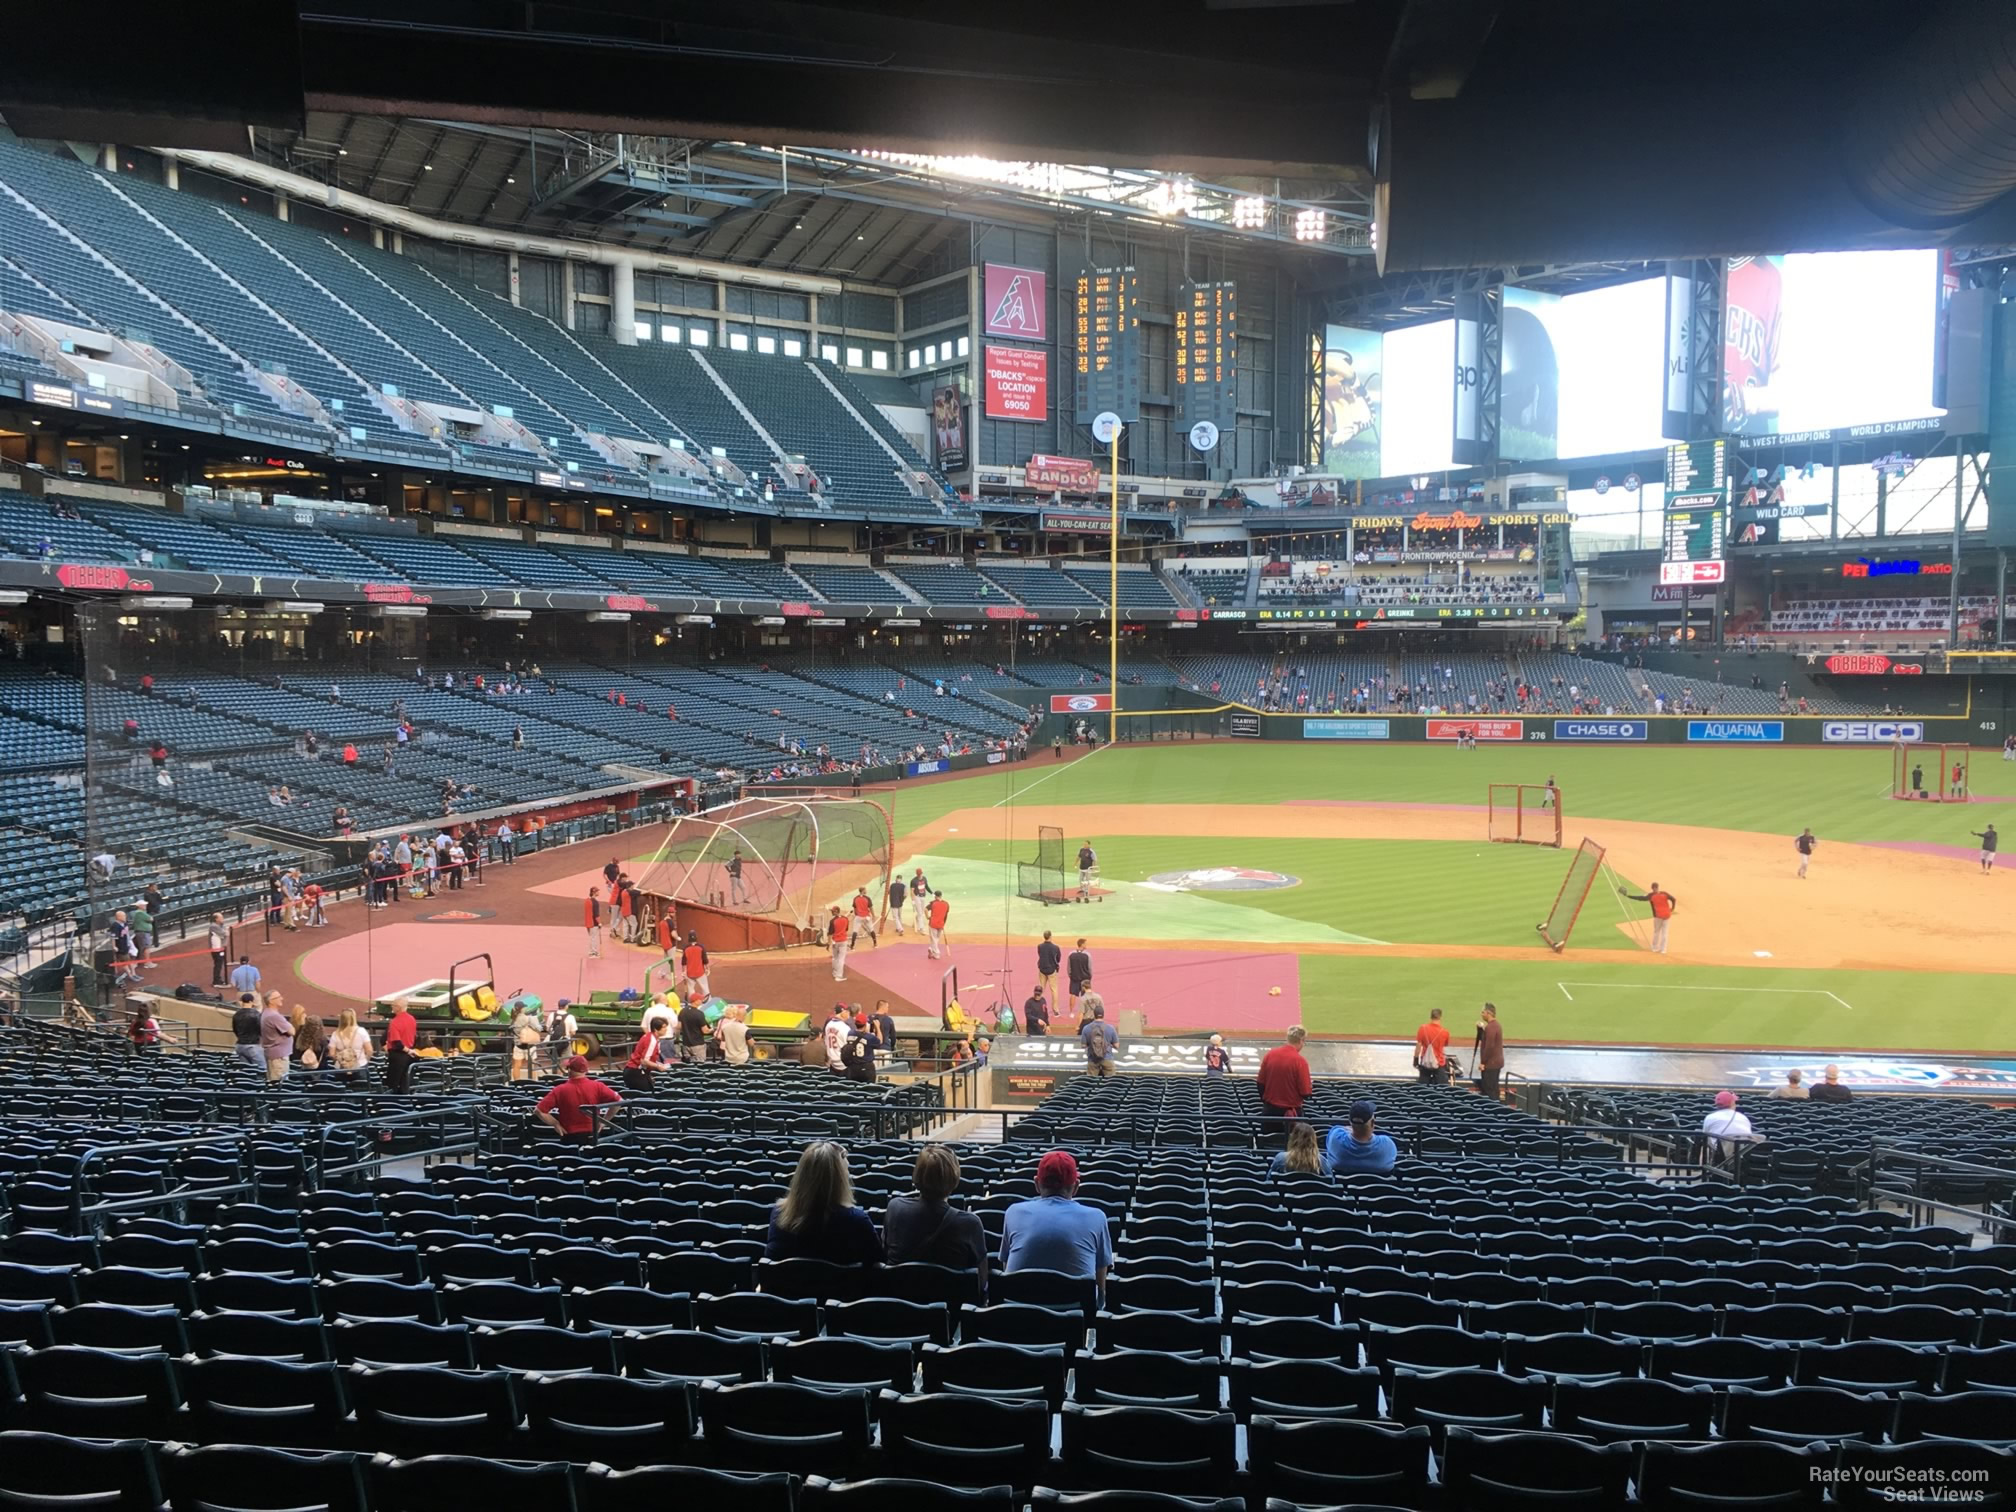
1867, 731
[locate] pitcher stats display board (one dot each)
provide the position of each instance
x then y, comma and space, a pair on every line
1206, 354
1106, 336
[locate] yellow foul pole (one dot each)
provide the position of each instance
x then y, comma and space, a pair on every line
1113, 598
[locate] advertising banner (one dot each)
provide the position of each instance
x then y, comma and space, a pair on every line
1016, 303
1080, 703
948, 426
1070, 474
1483, 729
1081, 524
1872, 731
923, 768
1735, 731
1602, 729
1246, 725
1347, 729
1017, 383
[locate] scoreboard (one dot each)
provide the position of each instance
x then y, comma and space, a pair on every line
1696, 466
1106, 336
1206, 353
1693, 538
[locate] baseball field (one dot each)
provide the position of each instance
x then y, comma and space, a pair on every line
1246, 886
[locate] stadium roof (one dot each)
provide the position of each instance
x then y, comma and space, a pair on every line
873, 216
1480, 132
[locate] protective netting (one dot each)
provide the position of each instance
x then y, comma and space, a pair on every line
1043, 878
781, 860
1582, 872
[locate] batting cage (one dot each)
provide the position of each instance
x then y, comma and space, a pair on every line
1521, 814
1043, 878
1929, 773
1582, 871
760, 873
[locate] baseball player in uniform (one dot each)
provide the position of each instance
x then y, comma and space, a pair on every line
1088, 863
1804, 843
839, 931
1989, 843
940, 910
897, 893
920, 898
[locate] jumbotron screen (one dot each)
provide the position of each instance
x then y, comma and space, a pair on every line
1815, 342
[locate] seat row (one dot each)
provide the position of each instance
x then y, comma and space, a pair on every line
1462, 1442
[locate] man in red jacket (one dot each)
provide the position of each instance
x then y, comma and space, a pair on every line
1284, 1082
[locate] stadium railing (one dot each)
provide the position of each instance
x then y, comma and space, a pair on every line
1910, 1179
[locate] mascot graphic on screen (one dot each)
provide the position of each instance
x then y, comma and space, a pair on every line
1350, 400
1752, 326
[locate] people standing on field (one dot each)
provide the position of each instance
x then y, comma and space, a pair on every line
1804, 844
1662, 904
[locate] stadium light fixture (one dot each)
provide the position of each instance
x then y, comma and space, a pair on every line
13, 596
1309, 225
1249, 212
1177, 196
400, 611
293, 606
157, 601
507, 614
609, 617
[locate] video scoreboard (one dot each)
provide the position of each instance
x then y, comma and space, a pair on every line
1206, 353
1693, 540
1106, 337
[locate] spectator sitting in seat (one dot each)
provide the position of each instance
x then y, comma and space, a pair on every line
818, 1218
1054, 1231
1794, 1087
1726, 1127
1304, 1156
1361, 1147
1831, 1089
922, 1226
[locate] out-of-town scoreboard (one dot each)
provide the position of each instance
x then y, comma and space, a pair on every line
1106, 334
1206, 355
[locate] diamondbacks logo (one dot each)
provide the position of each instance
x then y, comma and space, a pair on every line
1015, 313
1221, 879
458, 916
1015, 301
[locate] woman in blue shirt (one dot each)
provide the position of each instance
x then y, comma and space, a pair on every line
817, 1218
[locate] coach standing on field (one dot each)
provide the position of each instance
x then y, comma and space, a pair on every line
1048, 959
1662, 905
1078, 971
1804, 843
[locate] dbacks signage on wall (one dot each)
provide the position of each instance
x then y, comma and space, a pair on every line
1868, 664
1080, 703
1017, 383
1016, 303
1483, 729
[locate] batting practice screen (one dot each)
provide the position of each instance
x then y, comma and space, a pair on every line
1043, 878
1521, 814
1560, 920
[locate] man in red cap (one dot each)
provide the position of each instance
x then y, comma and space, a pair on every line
1054, 1231
569, 1109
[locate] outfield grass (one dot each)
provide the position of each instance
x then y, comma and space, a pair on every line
1433, 893
1838, 791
